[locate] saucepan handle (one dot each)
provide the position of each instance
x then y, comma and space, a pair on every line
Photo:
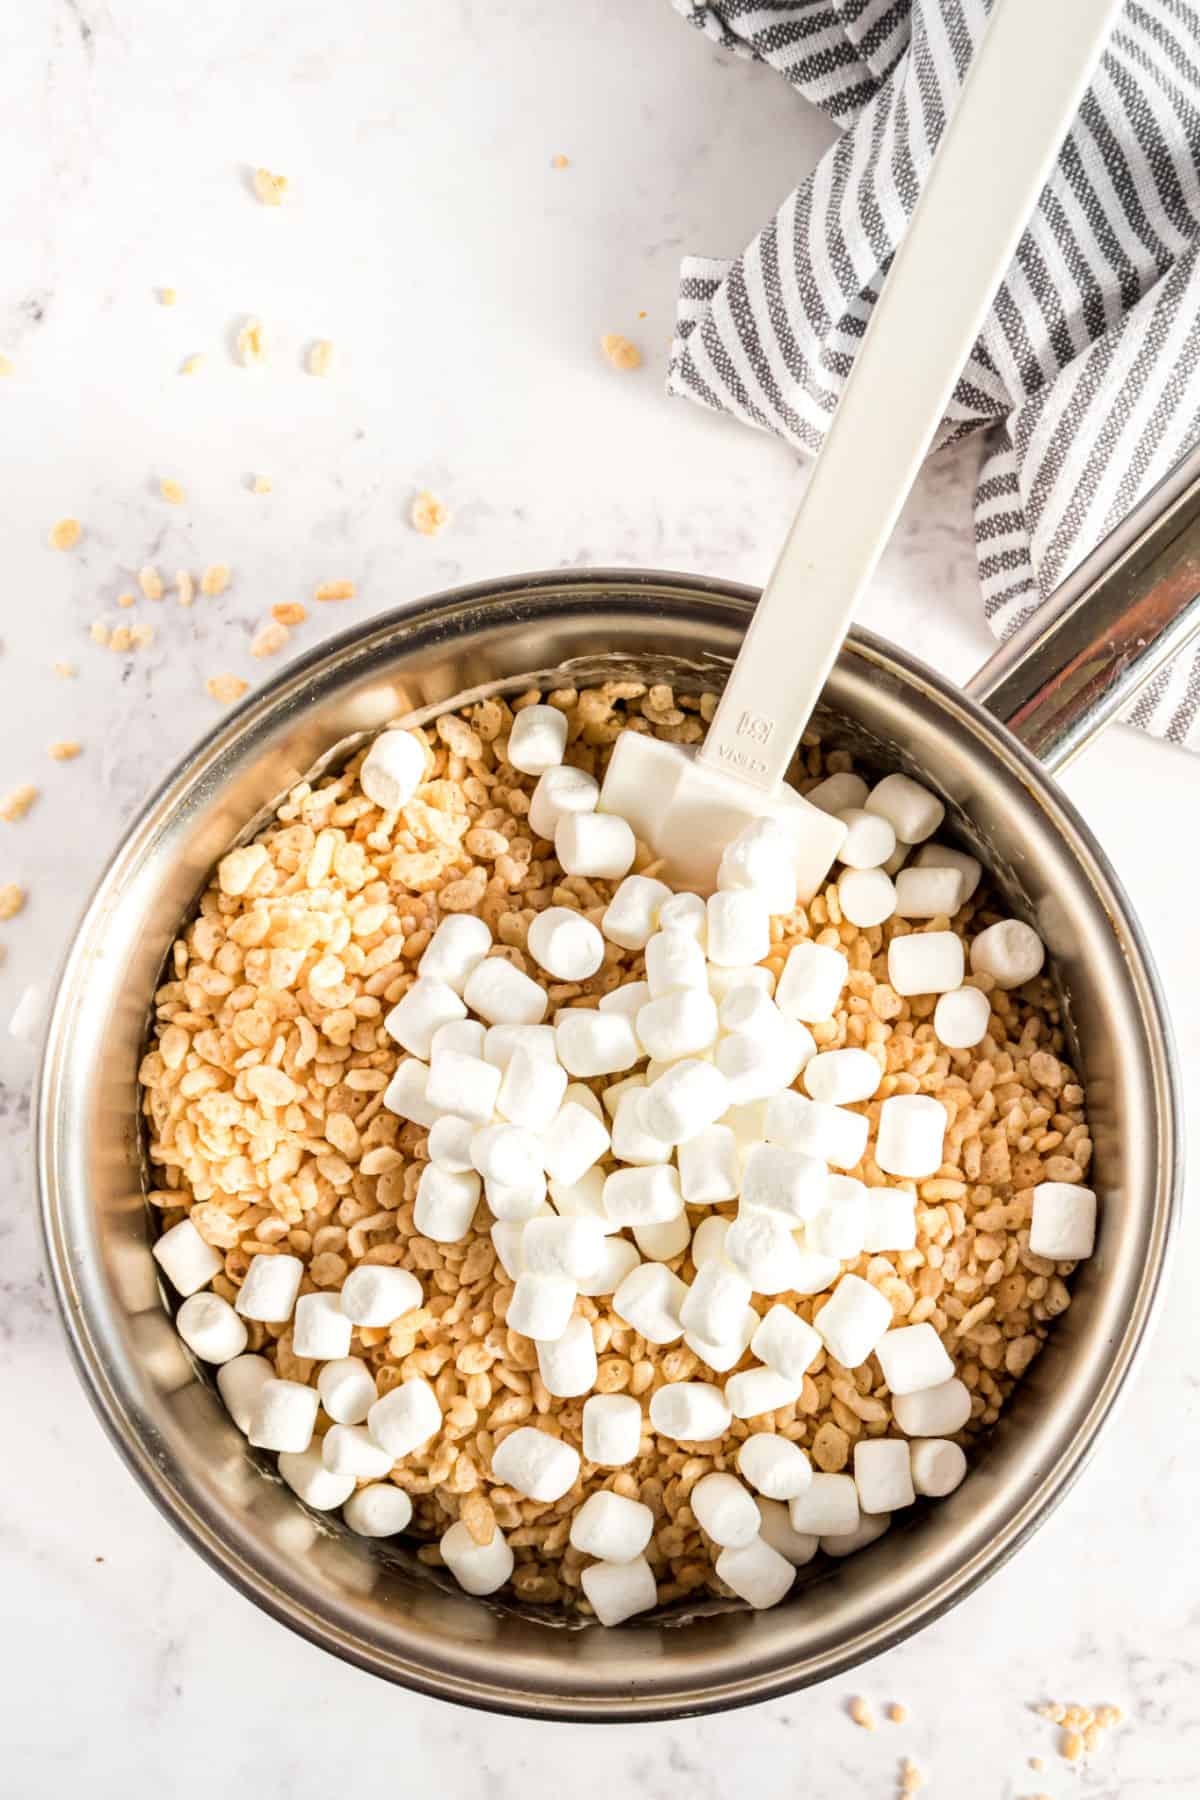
1129, 607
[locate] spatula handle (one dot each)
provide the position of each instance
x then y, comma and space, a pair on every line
1023, 88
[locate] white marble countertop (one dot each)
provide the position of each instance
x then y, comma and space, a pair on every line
465, 284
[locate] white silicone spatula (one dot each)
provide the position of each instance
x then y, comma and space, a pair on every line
1023, 88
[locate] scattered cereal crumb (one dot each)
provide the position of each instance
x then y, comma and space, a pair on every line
429, 515
1071, 1746
121, 638
12, 899
897, 1712
186, 587
125, 600
100, 631
320, 357
269, 638
215, 578
620, 352
252, 343
191, 365
167, 296
270, 188
911, 1778
6, 367
1093, 1736
560, 161
642, 314
141, 637
861, 1713
171, 491
1035, 1763
65, 535
1053, 1711
65, 671
226, 688
1107, 1716
26, 1013
335, 590
15, 805
289, 612
262, 484
150, 582
65, 749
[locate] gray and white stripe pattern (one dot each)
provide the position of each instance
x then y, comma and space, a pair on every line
1086, 377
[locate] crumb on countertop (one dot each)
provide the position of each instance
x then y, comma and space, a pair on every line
897, 1712
12, 899
289, 612
215, 579
65, 534
335, 590
65, 671
185, 586
150, 582
269, 638
6, 367
911, 1778
167, 296
429, 515
252, 343
261, 484
270, 188
226, 688
620, 352
17, 803
171, 491
320, 357
65, 749
559, 161
861, 1713
192, 364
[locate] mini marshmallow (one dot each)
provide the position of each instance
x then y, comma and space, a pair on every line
185, 1259
507, 1154
632, 914
1010, 952
617, 1591
760, 1246
839, 1077
347, 1389
612, 1429
912, 1359
716, 1302
539, 1466
582, 1199
709, 1171
925, 893
828, 1507
611, 1527
938, 1466
739, 927
664, 1241
649, 1299
685, 1101
926, 962
573, 1141
778, 1180
961, 1018
1063, 1226
757, 1574
567, 1364
708, 1239
632, 1141
812, 981
838, 793
478, 1568
516, 1202
620, 1259
578, 1093
762, 857
321, 1488
891, 1220
501, 1043
774, 1465
463, 1036
393, 769
564, 943
321, 1329
866, 896
450, 1143
756, 1391
537, 739
674, 960
839, 1229
531, 1090
726, 1353
600, 846
406, 1093
723, 981
934, 1412
406, 1417
786, 1343
643, 1196
911, 1135
560, 790
749, 1008
812, 1274
911, 810
269, 1289
502, 995
283, 1416
445, 1204
414, 1019
457, 947
570, 1247
211, 1329
882, 1475
828, 1133
377, 1295
351, 1450
463, 1084
869, 839
682, 1023
240, 1382
799, 1547
506, 1236
541, 1305
684, 912
378, 1511
942, 856
747, 1124
757, 1064
628, 999
846, 1543
853, 1320
723, 1508
591, 1043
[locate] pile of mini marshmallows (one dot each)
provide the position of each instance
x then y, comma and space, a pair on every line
700, 1059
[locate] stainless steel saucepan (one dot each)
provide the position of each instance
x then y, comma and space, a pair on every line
1132, 605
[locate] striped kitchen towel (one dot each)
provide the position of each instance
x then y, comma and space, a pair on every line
1085, 377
